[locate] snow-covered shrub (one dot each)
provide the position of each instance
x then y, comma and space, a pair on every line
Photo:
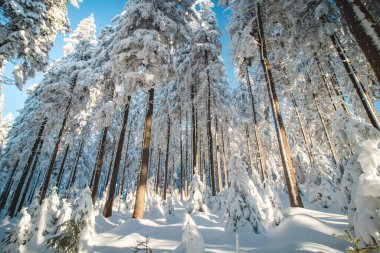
243, 201
196, 201
192, 240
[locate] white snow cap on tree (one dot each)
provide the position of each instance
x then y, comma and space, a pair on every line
86, 30
75, 3
196, 202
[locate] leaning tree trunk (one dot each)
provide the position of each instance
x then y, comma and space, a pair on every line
329, 141
287, 161
166, 159
75, 168
122, 179
360, 90
107, 211
99, 165
31, 175
8, 186
61, 169
209, 134
17, 192
138, 212
261, 160
365, 30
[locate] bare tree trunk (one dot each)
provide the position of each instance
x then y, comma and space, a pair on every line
287, 161
209, 134
99, 165
122, 179
172, 177
166, 159
308, 149
249, 149
218, 155
363, 95
181, 155
61, 169
8, 186
75, 168
187, 160
261, 164
193, 130
331, 146
31, 175
107, 211
105, 183
224, 162
357, 17
158, 171
204, 179
17, 192
138, 212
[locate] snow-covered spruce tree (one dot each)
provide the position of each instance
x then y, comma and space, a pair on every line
5, 126
27, 38
141, 57
360, 182
196, 198
17, 238
249, 205
75, 234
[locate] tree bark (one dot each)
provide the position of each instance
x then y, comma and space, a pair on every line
107, 211
287, 161
209, 134
8, 186
224, 162
331, 146
61, 169
187, 159
249, 149
166, 159
158, 171
17, 192
220, 178
261, 165
138, 212
193, 129
181, 155
360, 90
31, 175
99, 165
122, 179
358, 18
75, 168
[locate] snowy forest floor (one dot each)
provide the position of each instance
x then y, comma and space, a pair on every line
302, 230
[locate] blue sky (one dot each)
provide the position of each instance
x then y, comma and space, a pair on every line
103, 12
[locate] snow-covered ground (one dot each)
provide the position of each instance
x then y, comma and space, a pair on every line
303, 230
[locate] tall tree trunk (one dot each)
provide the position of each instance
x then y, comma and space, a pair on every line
32, 192
209, 134
17, 192
8, 186
172, 177
75, 168
122, 179
105, 184
31, 175
204, 179
308, 149
224, 162
166, 159
193, 129
99, 165
249, 149
331, 146
181, 153
158, 171
138, 212
261, 165
363, 95
360, 20
218, 155
107, 211
287, 161
61, 169
187, 159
